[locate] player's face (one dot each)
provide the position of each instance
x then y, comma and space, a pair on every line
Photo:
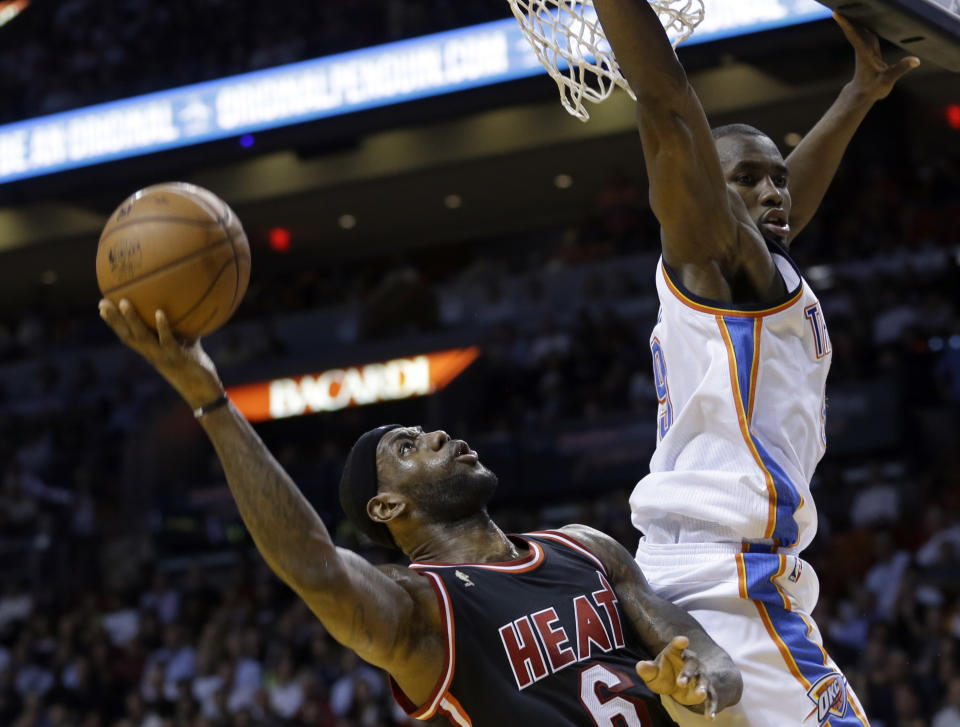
441, 476
754, 167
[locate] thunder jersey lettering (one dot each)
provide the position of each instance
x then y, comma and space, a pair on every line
740, 425
537, 641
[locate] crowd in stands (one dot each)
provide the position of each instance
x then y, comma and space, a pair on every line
102, 623
70, 53
198, 646
118, 611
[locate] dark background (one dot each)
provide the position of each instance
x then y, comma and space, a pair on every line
131, 594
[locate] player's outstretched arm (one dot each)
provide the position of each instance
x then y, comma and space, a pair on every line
688, 193
814, 162
388, 619
689, 667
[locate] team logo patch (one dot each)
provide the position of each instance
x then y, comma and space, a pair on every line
797, 571
830, 695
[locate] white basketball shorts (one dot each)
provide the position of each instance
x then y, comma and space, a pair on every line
757, 606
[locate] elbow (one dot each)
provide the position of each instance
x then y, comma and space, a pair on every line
668, 117
732, 688
668, 87
734, 681
738, 684
728, 682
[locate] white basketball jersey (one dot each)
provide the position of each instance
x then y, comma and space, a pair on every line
740, 425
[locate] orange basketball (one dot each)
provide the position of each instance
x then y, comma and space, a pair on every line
179, 248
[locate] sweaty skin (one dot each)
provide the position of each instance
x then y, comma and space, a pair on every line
712, 226
388, 614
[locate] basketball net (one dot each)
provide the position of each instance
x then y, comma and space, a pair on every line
567, 38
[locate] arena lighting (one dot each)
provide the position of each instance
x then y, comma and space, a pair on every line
792, 138
9, 9
405, 70
953, 116
334, 389
279, 239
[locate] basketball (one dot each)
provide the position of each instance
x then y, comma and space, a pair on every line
178, 248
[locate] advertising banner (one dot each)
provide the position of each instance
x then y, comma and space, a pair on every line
333, 389
392, 73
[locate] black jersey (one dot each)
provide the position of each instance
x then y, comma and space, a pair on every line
536, 641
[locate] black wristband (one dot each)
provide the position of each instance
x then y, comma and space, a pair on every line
220, 401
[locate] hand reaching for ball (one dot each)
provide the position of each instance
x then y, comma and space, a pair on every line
185, 365
173, 248
179, 248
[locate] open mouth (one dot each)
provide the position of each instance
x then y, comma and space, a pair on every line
775, 223
463, 453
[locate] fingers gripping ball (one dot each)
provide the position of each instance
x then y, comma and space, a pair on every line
178, 248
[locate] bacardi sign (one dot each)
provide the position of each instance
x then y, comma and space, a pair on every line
11, 9
399, 378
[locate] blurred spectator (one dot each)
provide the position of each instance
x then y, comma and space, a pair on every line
78, 52
883, 578
285, 688
110, 613
949, 715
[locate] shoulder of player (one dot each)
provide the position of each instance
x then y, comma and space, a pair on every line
622, 570
710, 271
418, 654
611, 553
423, 637
410, 580
723, 247
748, 243
419, 588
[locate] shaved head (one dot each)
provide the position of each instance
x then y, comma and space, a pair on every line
740, 129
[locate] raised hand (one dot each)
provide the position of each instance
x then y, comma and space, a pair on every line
185, 365
873, 76
679, 673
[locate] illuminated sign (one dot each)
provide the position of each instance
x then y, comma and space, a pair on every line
400, 378
11, 9
406, 70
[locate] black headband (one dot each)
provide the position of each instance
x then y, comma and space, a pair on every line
358, 484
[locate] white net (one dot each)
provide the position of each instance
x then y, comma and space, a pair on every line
567, 38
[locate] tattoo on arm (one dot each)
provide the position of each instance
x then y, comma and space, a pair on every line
286, 529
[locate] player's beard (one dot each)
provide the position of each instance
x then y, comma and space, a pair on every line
458, 497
